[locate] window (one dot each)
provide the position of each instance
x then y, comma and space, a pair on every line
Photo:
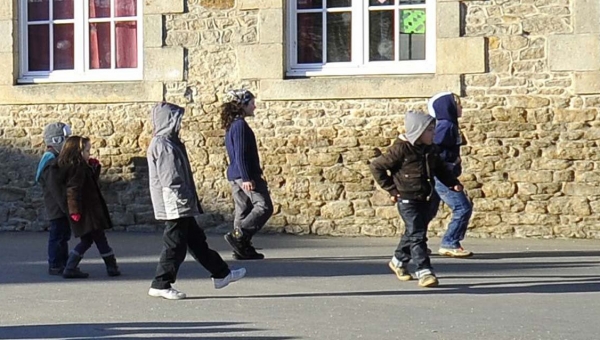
344, 37
80, 40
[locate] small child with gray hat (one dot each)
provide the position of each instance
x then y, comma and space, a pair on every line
55, 135
406, 171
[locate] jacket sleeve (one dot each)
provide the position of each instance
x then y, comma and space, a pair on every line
239, 134
446, 139
75, 181
170, 171
56, 187
442, 173
384, 166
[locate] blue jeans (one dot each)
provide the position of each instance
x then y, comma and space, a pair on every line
58, 242
462, 209
413, 244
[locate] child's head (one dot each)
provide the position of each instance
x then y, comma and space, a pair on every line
237, 103
75, 151
420, 127
55, 135
445, 106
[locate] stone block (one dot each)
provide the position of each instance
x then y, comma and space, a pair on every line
153, 30
260, 4
452, 59
358, 87
7, 44
270, 27
122, 92
217, 4
8, 10
587, 82
260, 61
586, 16
163, 6
337, 210
563, 55
448, 23
8, 72
163, 64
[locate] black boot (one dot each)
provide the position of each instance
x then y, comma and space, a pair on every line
242, 248
72, 270
111, 265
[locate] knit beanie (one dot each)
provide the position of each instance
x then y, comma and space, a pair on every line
55, 135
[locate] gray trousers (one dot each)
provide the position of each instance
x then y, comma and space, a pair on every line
252, 208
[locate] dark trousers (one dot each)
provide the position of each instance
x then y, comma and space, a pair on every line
413, 244
252, 208
99, 238
179, 236
58, 242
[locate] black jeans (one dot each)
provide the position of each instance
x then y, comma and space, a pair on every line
58, 242
99, 238
179, 236
413, 244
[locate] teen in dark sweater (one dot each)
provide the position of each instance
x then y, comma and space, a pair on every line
406, 171
253, 205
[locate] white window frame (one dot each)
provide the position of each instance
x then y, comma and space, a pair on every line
360, 45
81, 71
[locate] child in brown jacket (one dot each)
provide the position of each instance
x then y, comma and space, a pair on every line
406, 171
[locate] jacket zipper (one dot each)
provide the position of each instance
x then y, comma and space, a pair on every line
428, 177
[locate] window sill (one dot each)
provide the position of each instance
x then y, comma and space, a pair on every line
358, 87
69, 93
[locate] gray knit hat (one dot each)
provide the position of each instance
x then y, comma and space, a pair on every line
415, 123
55, 135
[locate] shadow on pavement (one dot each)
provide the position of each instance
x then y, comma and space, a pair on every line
139, 330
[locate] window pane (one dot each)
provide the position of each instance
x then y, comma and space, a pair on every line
99, 8
100, 45
412, 34
310, 38
38, 10
339, 37
38, 47
307, 4
126, 39
381, 35
381, 2
64, 47
125, 8
339, 3
62, 9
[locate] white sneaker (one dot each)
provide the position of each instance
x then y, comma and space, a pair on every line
169, 294
233, 276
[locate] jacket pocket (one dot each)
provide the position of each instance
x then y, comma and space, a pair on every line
411, 182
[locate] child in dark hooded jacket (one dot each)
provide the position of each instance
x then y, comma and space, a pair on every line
406, 171
446, 109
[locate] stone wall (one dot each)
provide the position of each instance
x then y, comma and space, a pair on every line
531, 163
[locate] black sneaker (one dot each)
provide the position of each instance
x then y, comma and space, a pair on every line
235, 243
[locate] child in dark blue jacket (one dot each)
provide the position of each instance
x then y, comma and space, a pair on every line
446, 109
253, 205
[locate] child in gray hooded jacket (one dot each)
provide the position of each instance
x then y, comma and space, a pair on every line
406, 171
176, 202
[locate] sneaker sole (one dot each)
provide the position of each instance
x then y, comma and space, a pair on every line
238, 257
157, 295
449, 254
429, 283
400, 277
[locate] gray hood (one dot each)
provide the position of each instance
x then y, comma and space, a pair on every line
166, 119
415, 124
55, 135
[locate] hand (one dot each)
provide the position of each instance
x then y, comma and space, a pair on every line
394, 199
457, 188
76, 217
93, 162
248, 186
457, 161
